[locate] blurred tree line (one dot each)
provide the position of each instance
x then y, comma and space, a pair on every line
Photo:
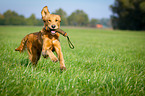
13, 18
128, 14
77, 18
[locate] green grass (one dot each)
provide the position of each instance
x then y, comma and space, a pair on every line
104, 62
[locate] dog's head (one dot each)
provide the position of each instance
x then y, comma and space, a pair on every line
51, 21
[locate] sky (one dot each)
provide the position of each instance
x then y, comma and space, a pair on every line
94, 8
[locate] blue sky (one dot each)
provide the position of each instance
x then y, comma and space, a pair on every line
94, 8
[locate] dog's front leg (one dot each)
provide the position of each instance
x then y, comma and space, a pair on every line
47, 50
59, 54
51, 55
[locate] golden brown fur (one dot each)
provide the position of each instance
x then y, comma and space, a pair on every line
44, 41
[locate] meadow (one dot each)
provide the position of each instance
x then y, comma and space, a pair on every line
103, 63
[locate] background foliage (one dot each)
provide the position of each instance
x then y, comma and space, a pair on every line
77, 18
128, 14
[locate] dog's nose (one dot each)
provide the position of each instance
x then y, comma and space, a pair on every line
53, 26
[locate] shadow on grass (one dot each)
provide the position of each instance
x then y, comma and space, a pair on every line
25, 62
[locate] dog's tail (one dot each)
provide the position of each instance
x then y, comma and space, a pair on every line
22, 46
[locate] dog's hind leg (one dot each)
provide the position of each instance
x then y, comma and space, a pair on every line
34, 55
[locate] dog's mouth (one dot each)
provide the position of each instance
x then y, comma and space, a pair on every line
53, 31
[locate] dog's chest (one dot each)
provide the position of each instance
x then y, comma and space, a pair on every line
54, 41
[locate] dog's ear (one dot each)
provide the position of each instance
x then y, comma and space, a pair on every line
45, 12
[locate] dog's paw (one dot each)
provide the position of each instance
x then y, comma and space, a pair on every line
44, 54
62, 68
54, 59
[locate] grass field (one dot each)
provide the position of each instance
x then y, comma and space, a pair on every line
104, 62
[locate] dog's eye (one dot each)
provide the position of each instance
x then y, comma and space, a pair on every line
56, 20
49, 20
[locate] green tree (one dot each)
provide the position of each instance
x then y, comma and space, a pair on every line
78, 18
128, 14
12, 18
1, 19
63, 15
39, 22
32, 20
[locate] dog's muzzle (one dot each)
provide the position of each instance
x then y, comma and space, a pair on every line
52, 30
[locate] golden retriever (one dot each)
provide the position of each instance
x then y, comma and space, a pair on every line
45, 41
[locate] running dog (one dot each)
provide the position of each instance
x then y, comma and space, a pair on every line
46, 41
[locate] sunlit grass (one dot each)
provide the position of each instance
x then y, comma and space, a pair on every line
104, 62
